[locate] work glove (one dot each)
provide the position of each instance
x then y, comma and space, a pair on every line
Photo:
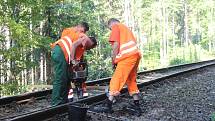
113, 65
74, 63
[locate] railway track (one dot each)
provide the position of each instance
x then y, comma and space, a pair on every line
186, 97
47, 112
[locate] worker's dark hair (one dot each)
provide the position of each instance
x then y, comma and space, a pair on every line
112, 20
85, 25
93, 39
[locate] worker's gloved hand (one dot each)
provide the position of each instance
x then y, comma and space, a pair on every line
74, 63
114, 66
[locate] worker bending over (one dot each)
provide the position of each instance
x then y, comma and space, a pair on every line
69, 49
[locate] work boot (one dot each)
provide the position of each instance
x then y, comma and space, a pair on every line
137, 107
106, 108
107, 94
134, 108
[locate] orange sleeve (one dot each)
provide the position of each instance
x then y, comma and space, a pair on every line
115, 34
65, 32
68, 31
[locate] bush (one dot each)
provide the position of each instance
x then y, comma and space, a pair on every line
11, 88
177, 61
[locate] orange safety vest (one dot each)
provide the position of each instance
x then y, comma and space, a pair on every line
127, 43
68, 37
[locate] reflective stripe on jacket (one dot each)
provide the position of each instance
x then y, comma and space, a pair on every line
65, 43
126, 50
127, 43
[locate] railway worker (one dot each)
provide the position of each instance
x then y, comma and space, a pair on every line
68, 50
125, 59
81, 28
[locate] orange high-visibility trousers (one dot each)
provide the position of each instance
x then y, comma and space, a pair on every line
125, 73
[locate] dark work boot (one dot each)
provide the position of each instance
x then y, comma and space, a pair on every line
137, 107
134, 108
106, 108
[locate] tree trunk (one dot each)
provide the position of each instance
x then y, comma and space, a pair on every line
127, 12
163, 43
210, 29
41, 67
186, 24
173, 31
32, 56
7, 39
41, 58
45, 69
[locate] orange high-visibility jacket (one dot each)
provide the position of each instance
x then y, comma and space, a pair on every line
69, 36
126, 40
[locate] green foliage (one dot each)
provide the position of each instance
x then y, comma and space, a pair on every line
181, 55
99, 60
178, 61
24, 44
11, 88
151, 55
98, 67
19, 44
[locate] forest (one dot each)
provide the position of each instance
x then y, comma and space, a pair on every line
169, 32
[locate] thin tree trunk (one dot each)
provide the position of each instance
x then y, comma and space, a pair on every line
7, 39
36, 75
48, 55
1, 67
41, 58
32, 57
45, 70
186, 24
166, 36
41, 67
210, 29
127, 12
26, 76
173, 36
22, 78
163, 40
6, 64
